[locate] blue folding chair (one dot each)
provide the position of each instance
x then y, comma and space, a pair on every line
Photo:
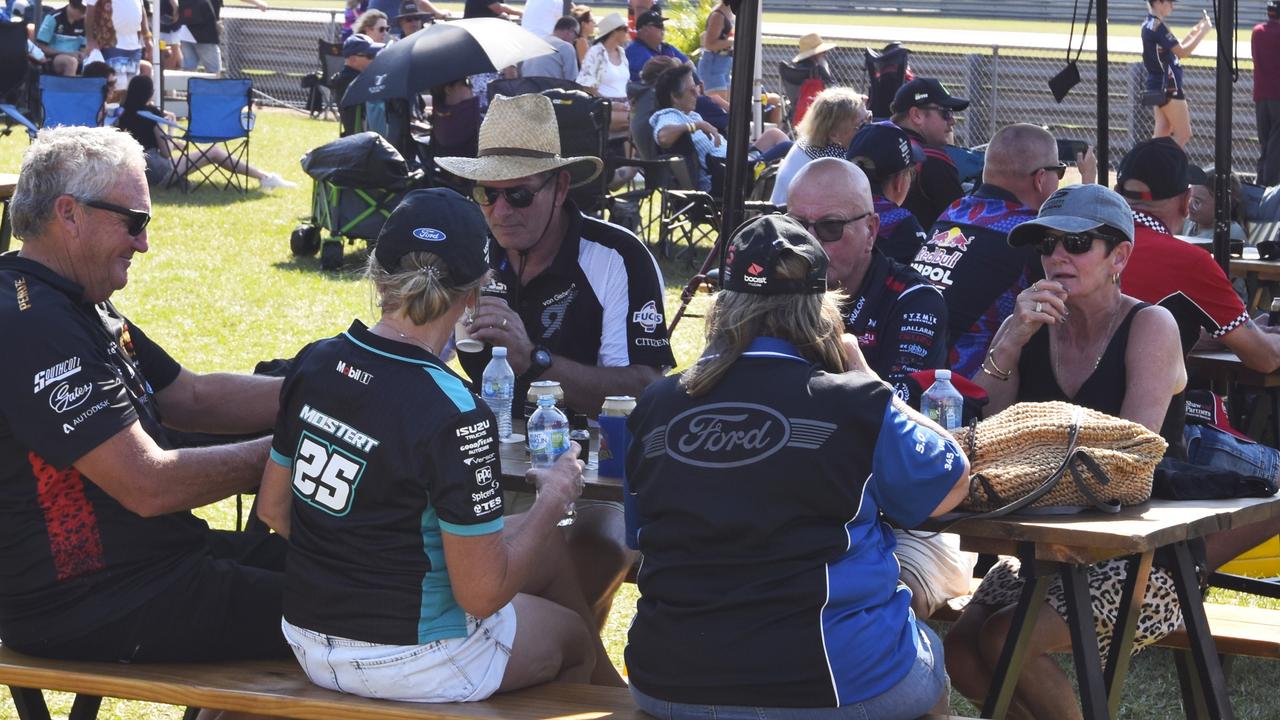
72, 101
221, 115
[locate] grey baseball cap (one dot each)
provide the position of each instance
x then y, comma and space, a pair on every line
1077, 209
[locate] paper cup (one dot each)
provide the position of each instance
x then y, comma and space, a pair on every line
463, 341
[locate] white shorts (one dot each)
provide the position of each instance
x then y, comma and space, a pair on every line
935, 563
455, 670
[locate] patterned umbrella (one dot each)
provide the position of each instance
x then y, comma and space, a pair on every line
442, 53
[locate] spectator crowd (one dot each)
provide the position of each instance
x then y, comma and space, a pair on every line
399, 569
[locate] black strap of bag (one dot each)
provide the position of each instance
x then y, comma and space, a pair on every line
1069, 77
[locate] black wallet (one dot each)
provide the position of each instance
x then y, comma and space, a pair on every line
1062, 83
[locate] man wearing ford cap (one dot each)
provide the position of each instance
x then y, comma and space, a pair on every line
759, 478
574, 299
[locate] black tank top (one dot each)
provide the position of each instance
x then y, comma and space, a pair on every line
1104, 390
724, 29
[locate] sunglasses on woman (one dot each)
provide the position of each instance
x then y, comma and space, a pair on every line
517, 197
135, 220
1073, 243
828, 231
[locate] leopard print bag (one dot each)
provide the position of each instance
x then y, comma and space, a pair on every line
1055, 457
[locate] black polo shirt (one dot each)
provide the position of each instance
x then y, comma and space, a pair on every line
598, 303
387, 450
769, 577
480, 8
74, 374
900, 320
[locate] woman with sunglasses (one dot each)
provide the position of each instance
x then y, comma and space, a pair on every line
167, 157
1075, 337
373, 23
1161, 57
677, 95
404, 579
586, 30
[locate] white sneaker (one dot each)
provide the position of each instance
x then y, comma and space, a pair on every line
273, 180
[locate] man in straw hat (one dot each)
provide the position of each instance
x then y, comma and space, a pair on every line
813, 55
574, 299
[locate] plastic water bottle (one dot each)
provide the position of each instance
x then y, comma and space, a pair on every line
498, 388
548, 439
548, 433
942, 402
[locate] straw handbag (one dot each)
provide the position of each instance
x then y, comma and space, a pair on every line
1057, 457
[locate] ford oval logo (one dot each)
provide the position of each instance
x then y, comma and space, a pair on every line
726, 435
429, 234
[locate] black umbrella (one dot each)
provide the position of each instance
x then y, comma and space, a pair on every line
442, 53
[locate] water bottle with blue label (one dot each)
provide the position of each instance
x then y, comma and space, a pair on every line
942, 402
498, 388
548, 431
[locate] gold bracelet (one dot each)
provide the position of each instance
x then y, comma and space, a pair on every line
692, 128
991, 357
1001, 378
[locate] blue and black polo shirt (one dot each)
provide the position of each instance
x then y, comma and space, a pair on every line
387, 451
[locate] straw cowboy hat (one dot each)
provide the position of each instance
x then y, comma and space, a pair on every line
515, 143
811, 45
611, 22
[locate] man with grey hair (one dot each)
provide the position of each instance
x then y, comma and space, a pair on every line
100, 558
967, 255
900, 322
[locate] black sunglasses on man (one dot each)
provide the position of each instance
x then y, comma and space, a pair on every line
135, 220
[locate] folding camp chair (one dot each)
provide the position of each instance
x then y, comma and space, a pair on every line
331, 62
801, 84
887, 69
15, 79
221, 115
72, 101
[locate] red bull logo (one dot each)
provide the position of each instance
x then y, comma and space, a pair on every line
951, 238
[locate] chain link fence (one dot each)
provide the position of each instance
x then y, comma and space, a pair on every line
1011, 85
276, 49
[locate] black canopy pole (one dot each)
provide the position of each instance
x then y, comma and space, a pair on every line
1225, 22
1102, 149
740, 98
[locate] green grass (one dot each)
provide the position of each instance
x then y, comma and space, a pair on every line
220, 290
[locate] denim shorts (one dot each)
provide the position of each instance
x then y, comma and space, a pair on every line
1211, 447
454, 670
714, 70
914, 695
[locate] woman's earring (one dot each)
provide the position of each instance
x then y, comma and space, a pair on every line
1115, 278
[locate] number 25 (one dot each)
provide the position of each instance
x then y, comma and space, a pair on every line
323, 477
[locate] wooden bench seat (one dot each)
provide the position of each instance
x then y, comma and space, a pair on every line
278, 687
1237, 630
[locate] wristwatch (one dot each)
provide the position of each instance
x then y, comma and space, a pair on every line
539, 362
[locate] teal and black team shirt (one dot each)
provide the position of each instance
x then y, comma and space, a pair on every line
769, 577
387, 450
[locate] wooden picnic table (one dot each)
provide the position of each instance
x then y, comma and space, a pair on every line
1260, 277
1067, 545
8, 183
515, 462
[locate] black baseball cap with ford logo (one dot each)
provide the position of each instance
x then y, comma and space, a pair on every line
439, 221
925, 91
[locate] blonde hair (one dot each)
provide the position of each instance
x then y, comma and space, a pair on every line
421, 289
831, 107
812, 323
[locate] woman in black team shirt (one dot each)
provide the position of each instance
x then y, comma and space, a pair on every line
1075, 337
404, 580
166, 155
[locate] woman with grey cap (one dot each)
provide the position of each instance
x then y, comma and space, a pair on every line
1075, 336
760, 481
404, 580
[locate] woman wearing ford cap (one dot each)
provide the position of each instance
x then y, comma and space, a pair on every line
769, 586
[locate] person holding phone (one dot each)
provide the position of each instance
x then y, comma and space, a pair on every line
1161, 55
